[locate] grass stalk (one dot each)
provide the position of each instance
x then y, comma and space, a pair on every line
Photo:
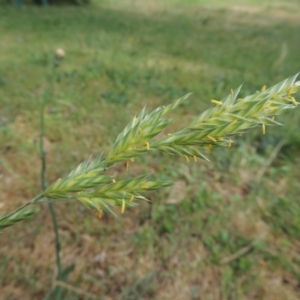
43, 153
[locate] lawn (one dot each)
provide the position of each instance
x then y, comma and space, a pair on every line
227, 229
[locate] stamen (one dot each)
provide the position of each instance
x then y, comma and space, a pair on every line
131, 198
290, 91
212, 139
127, 165
263, 88
231, 91
195, 158
132, 159
229, 143
113, 180
294, 101
187, 158
98, 213
264, 128
274, 108
123, 206
216, 102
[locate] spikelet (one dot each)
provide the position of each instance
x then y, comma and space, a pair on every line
12, 219
119, 193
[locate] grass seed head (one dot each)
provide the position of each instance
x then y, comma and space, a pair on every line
215, 127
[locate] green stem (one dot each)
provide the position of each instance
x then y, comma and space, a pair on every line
32, 201
57, 243
43, 171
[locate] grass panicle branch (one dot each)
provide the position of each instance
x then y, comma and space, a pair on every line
215, 127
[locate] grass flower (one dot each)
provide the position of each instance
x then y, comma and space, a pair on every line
215, 127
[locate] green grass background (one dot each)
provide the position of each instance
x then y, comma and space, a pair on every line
228, 229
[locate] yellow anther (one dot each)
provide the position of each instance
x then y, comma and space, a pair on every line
294, 101
140, 130
220, 139
209, 147
274, 108
266, 106
132, 159
98, 213
113, 180
127, 165
216, 102
195, 158
131, 199
169, 134
229, 143
123, 206
240, 99
79, 192
148, 146
212, 139
263, 88
187, 158
163, 106
264, 128
135, 120
145, 187
231, 91
290, 91
58, 179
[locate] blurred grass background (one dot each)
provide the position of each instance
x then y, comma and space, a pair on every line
229, 229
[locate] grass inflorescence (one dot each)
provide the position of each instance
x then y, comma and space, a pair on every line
215, 127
